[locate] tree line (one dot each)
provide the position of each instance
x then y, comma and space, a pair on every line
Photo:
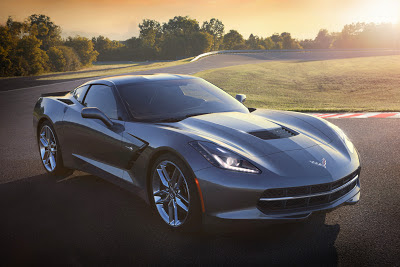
35, 45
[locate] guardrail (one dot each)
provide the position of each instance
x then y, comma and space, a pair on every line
285, 50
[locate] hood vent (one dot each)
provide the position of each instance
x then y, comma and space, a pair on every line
278, 133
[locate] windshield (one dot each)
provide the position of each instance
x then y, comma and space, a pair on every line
176, 99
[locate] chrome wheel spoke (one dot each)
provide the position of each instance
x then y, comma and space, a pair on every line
46, 161
52, 161
181, 204
160, 193
183, 199
162, 200
176, 221
171, 211
174, 177
42, 152
166, 175
46, 155
178, 183
44, 142
163, 179
47, 134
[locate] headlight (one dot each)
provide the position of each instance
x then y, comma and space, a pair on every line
223, 158
342, 136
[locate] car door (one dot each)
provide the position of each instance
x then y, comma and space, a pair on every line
90, 141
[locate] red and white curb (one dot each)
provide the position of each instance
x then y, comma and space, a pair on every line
389, 115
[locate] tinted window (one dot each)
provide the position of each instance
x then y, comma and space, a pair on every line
102, 97
79, 93
157, 100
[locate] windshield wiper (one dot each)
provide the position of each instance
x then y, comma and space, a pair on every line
172, 119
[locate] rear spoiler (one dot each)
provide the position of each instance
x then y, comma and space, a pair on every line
55, 94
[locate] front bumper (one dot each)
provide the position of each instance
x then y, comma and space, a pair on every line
236, 198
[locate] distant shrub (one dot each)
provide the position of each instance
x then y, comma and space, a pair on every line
63, 58
84, 48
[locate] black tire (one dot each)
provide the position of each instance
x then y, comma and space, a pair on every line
59, 169
192, 222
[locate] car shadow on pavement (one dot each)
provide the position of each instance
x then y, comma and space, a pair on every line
84, 220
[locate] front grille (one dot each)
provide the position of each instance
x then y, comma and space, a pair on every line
305, 196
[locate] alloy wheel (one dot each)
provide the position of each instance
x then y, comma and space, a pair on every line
48, 148
171, 193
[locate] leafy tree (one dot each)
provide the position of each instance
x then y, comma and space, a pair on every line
72, 61
29, 58
5, 63
323, 39
47, 32
288, 42
278, 46
308, 44
105, 47
133, 49
216, 28
181, 26
276, 38
200, 42
84, 48
56, 59
101, 43
63, 58
173, 47
150, 36
182, 29
233, 40
349, 36
150, 33
268, 43
16, 29
254, 42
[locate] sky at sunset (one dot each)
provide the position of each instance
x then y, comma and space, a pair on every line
119, 19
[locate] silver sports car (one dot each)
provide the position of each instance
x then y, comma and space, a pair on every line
195, 153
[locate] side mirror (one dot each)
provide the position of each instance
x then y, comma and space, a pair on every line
95, 113
241, 98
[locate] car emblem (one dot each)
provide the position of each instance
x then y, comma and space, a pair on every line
321, 164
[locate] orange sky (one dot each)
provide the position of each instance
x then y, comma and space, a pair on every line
118, 19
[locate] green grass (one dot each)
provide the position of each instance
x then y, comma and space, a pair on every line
356, 84
114, 69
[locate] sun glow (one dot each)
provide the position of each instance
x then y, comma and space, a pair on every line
381, 11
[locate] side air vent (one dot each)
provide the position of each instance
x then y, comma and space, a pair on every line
278, 133
65, 100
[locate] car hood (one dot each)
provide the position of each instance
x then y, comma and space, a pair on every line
248, 133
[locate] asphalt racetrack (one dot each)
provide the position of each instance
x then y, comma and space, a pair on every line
83, 220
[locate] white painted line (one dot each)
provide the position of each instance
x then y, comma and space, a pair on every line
330, 115
395, 116
343, 115
357, 115
367, 115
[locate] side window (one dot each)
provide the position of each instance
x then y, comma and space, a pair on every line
102, 97
79, 93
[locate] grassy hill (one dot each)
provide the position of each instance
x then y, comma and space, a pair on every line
355, 84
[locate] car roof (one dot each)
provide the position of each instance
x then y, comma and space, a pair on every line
131, 79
